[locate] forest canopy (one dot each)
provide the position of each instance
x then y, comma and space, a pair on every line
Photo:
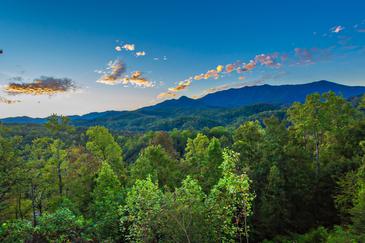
297, 177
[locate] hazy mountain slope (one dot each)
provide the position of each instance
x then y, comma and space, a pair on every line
220, 108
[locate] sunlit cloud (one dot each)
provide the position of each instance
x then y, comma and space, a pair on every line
229, 68
167, 95
219, 68
337, 29
136, 79
129, 47
181, 86
41, 86
270, 60
140, 53
113, 73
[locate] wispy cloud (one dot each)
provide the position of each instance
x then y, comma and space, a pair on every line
167, 95
4, 100
42, 86
337, 29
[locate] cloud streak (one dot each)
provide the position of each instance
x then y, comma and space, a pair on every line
167, 95
337, 29
182, 85
42, 86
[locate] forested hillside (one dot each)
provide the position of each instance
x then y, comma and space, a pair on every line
223, 108
297, 175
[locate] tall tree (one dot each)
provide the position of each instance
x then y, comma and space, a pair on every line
230, 202
103, 146
273, 207
317, 116
185, 214
141, 215
11, 166
155, 162
107, 196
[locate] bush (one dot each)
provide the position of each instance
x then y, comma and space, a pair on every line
16, 231
60, 226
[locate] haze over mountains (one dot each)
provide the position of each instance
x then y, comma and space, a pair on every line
220, 108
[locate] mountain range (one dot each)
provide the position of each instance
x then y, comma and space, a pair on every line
226, 107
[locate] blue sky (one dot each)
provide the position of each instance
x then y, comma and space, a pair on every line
74, 39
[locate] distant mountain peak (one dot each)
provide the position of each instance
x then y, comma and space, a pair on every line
231, 98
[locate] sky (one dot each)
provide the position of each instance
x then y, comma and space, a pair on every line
75, 57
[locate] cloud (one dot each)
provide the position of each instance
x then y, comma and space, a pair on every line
129, 47
167, 95
181, 86
337, 29
140, 53
113, 74
311, 55
219, 68
42, 86
136, 79
303, 55
270, 60
229, 68
249, 66
4, 100
118, 48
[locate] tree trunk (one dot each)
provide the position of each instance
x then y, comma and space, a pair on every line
33, 205
59, 172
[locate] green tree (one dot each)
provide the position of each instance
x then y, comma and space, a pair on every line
141, 215
58, 159
230, 202
103, 146
107, 196
273, 209
202, 160
11, 174
165, 140
61, 226
248, 140
185, 214
155, 162
38, 175
319, 115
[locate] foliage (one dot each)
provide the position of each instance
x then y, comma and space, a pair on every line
291, 175
107, 196
141, 212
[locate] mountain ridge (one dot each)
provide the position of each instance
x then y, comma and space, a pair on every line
234, 98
